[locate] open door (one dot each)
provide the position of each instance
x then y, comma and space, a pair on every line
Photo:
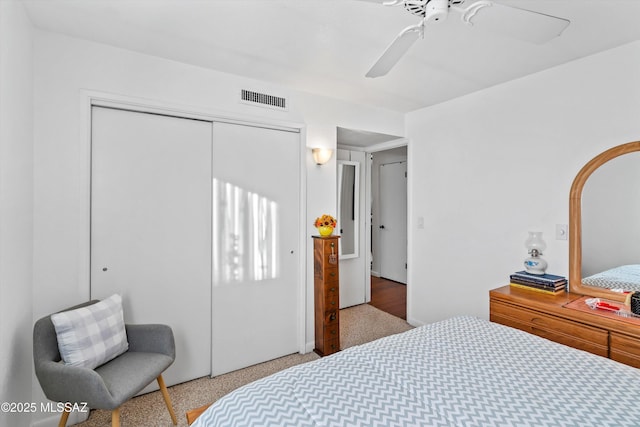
393, 221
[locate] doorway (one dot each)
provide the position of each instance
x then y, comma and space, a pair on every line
389, 229
369, 148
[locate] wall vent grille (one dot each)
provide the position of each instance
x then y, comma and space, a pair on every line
263, 100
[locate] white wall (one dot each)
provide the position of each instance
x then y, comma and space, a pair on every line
488, 167
65, 66
16, 209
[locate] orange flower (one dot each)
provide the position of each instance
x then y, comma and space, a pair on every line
325, 221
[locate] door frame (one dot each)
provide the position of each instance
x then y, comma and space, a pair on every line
401, 142
90, 98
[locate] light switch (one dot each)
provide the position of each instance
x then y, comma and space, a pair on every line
562, 231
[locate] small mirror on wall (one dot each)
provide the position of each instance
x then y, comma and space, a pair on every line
348, 207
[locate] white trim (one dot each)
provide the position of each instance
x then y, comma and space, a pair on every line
54, 420
411, 258
90, 98
388, 145
144, 105
302, 287
367, 228
309, 347
400, 142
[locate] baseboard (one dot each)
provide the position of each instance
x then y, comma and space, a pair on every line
375, 273
54, 419
415, 322
308, 348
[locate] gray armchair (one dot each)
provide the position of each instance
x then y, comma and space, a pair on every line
151, 351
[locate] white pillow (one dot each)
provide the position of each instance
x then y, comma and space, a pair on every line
91, 335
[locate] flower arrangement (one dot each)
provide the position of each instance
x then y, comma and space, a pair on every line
325, 221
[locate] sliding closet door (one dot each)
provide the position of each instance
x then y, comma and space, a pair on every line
256, 255
151, 226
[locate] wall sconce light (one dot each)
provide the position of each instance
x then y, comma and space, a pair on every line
321, 155
535, 245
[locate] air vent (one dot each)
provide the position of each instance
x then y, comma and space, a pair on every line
263, 100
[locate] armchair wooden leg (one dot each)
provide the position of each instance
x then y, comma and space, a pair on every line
63, 418
115, 418
167, 399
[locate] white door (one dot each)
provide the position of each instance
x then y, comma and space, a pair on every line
151, 226
256, 254
393, 221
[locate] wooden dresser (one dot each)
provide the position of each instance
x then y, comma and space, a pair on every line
549, 317
326, 294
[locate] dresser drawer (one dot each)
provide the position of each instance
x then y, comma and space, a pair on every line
625, 349
331, 331
563, 331
326, 255
328, 274
331, 276
331, 301
331, 317
331, 345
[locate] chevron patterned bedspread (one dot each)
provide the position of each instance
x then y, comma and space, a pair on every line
459, 372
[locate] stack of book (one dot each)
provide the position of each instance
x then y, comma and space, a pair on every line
547, 283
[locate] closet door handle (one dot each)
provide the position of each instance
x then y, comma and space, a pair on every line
381, 227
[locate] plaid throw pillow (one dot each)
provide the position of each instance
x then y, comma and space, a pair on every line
92, 335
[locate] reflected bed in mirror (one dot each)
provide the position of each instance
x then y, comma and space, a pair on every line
348, 207
623, 278
604, 224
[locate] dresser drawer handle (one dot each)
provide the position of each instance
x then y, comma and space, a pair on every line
332, 274
332, 289
333, 332
332, 316
333, 303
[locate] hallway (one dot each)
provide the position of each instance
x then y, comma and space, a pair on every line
389, 296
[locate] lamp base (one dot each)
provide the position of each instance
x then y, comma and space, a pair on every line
535, 265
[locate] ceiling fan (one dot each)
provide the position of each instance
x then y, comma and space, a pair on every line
515, 22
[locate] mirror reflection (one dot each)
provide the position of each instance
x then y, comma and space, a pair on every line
611, 225
348, 209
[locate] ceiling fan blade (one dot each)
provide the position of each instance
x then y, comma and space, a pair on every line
396, 50
518, 23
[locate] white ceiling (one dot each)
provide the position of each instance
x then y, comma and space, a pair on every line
327, 46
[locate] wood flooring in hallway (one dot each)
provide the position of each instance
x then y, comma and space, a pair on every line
389, 296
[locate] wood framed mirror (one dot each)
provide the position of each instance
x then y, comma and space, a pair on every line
348, 208
578, 283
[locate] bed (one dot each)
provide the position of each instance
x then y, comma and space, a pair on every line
463, 371
624, 277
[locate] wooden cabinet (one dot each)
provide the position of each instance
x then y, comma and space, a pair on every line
326, 294
549, 317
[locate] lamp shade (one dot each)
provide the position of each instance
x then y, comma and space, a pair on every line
534, 241
321, 155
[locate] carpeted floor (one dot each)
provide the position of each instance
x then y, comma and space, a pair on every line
358, 325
